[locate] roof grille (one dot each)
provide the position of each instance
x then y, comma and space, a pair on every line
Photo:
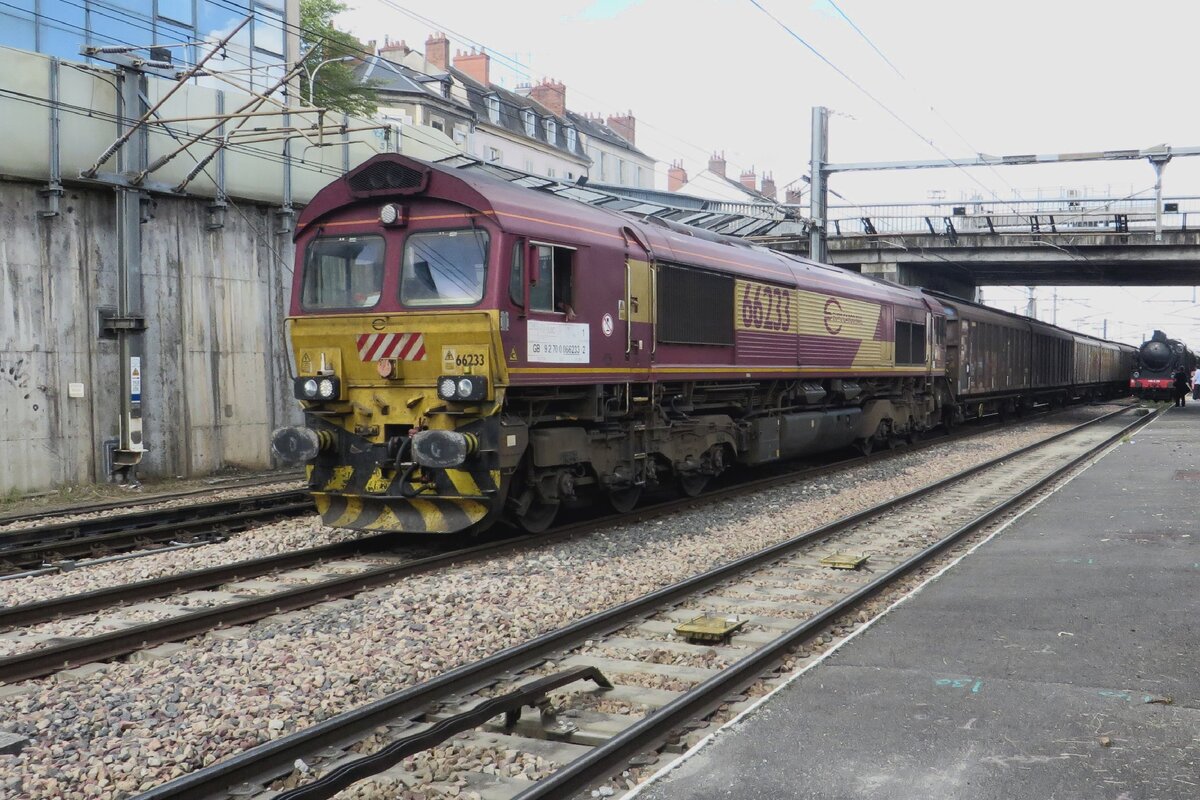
388, 176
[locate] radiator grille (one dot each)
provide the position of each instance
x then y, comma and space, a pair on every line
387, 176
694, 307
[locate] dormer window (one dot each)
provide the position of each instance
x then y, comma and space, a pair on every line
551, 130
571, 139
493, 106
446, 89
530, 123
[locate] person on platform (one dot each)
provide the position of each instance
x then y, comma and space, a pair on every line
1183, 386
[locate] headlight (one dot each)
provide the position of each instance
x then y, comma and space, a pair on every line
318, 388
462, 388
391, 214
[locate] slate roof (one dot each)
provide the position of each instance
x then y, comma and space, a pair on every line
759, 196
512, 108
597, 129
389, 77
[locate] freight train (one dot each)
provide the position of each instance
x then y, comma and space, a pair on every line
1154, 368
468, 350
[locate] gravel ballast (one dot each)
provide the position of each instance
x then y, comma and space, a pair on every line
131, 726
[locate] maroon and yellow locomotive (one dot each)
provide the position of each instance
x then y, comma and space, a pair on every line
467, 348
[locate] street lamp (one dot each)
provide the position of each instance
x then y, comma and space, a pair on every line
312, 76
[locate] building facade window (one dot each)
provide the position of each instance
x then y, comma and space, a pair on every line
268, 29
493, 105
494, 156
530, 123
551, 131
62, 27
571, 139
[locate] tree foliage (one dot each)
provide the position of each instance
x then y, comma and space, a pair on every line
335, 86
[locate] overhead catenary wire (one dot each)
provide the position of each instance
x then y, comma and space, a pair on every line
867, 92
472, 91
932, 108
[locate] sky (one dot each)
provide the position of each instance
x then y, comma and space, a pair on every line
929, 79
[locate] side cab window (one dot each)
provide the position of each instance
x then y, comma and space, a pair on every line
551, 280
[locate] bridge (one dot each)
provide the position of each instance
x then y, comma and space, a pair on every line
958, 245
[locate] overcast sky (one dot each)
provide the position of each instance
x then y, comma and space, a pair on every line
923, 80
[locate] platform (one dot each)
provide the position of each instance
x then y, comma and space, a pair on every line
1060, 659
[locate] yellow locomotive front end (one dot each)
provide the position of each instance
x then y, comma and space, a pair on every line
402, 428
399, 365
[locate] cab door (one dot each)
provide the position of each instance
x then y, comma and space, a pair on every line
637, 310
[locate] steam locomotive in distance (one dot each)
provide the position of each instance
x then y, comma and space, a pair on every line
468, 349
1158, 359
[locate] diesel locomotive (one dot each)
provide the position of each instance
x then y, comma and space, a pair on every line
467, 349
1157, 361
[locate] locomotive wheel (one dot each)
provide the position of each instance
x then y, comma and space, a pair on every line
623, 500
538, 517
693, 485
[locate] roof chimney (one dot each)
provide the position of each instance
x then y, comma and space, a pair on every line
768, 185
474, 65
676, 176
393, 51
749, 180
552, 94
792, 197
624, 125
437, 51
716, 164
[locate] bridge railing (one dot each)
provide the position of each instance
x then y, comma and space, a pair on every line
1085, 215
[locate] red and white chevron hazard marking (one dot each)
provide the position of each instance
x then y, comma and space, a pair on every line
402, 346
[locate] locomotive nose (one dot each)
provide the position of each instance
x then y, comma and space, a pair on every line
1156, 355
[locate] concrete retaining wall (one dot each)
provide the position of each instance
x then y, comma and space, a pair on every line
216, 375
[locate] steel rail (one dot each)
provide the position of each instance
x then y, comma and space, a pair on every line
43, 661
709, 695
150, 499
509, 704
266, 761
30, 547
148, 520
99, 599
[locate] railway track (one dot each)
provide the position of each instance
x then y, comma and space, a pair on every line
23, 549
216, 485
618, 684
307, 577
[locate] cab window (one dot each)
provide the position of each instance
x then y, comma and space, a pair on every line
554, 291
444, 268
343, 272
